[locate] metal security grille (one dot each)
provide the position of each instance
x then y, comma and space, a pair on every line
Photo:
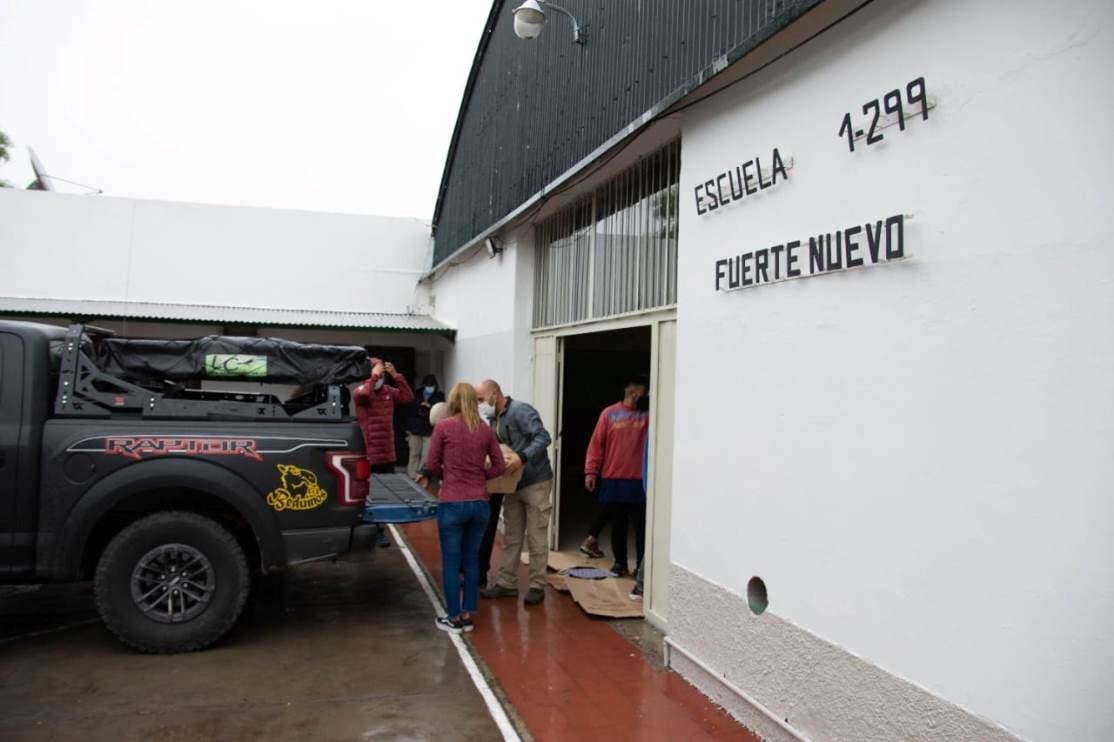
612, 252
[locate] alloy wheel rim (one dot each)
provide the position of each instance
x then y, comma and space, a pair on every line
173, 583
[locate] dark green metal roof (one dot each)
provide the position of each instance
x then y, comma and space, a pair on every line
535, 110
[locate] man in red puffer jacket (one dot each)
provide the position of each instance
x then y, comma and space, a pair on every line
375, 402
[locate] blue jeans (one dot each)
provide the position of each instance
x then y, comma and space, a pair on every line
461, 527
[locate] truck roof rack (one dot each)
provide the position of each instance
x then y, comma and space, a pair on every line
84, 390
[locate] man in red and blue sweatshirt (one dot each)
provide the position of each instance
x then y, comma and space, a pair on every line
614, 462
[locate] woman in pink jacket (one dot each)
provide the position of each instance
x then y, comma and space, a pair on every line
458, 452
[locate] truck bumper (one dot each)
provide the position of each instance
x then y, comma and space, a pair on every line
363, 537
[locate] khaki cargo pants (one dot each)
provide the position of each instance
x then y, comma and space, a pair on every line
526, 513
419, 447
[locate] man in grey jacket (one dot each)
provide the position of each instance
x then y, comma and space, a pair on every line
526, 511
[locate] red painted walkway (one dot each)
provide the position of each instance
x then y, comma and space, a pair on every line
570, 676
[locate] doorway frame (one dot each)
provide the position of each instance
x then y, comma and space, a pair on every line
549, 375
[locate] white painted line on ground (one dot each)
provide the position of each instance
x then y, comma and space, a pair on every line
498, 713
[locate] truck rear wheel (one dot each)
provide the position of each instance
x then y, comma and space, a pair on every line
171, 582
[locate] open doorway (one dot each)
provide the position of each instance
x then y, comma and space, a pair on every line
596, 367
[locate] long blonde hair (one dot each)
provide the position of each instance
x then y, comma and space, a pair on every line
462, 401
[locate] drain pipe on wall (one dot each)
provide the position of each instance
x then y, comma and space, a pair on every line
671, 646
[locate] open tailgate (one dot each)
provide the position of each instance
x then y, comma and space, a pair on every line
395, 498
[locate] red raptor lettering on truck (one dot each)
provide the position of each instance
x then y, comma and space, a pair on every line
137, 448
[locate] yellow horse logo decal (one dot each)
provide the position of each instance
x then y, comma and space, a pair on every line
299, 490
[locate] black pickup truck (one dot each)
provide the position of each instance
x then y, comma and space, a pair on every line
169, 497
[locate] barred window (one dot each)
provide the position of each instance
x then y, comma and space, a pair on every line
614, 251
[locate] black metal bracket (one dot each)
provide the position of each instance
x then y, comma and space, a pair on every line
331, 409
85, 391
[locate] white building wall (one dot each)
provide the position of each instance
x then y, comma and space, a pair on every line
915, 457
93, 247
489, 302
523, 242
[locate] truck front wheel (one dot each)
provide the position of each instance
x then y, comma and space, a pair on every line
171, 582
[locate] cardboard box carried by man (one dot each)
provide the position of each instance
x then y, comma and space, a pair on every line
502, 485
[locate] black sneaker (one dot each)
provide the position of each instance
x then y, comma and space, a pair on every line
466, 624
498, 591
451, 625
534, 596
620, 570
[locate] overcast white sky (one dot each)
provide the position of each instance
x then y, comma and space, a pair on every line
330, 105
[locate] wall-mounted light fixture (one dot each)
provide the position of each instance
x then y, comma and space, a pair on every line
530, 17
493, 248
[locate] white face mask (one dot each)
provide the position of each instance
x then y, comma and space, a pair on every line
487, 410
429, 389
379, 383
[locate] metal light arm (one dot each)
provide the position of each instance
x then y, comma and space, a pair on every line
577, 31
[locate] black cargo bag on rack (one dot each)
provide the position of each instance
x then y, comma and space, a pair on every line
269, 360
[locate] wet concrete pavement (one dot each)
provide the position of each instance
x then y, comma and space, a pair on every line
343, 651
570, 676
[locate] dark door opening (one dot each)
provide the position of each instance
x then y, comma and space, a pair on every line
596, 368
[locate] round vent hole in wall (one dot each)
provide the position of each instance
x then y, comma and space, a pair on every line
756, 596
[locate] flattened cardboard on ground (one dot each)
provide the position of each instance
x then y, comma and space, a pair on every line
557, 582
610, 597
559, 561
